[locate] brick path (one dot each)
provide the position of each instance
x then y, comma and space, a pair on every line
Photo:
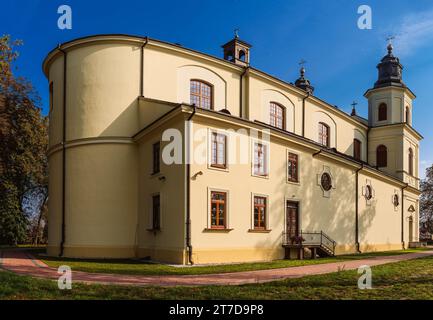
23, 263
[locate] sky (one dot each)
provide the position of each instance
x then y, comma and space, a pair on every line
341, 58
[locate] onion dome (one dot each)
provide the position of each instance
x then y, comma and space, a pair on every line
390, 71
304, 83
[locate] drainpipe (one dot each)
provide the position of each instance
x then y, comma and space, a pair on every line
241, 91
62, 243
317, 153
357, 210
402, 216
188, 195
142, 65
303, 113
368, 134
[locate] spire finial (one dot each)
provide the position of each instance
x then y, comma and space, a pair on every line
302, 63
390, 47
354, 104
236, 33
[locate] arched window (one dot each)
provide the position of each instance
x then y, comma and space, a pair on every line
408, 115
276, 113
382, 156
242, 55
383, 112
324, 133
357, 147
411, 161
201, 94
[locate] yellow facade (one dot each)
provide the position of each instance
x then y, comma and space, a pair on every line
116, 96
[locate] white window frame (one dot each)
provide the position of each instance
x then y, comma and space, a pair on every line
288, 151
209, 148
267, 158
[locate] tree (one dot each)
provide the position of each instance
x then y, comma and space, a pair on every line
426, 203
23, 146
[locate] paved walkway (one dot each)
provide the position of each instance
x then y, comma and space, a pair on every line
23, 263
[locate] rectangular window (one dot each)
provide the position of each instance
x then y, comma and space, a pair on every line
260, 159
218, 214
156, 212
259, 213
292, 168
156, 157
218, 150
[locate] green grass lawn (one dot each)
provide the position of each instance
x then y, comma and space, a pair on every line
145, 268
403, 280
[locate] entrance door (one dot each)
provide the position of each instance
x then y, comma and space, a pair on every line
292, 219
410, 229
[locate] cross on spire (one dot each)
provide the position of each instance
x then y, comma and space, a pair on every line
236, 33
390, 38
302, 70
390, 47
354, 104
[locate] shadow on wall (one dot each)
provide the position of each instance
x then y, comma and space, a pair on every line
334, 215
126, 124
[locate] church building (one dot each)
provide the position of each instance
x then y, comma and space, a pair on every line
161, 152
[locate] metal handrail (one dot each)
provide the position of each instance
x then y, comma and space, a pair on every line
316, 238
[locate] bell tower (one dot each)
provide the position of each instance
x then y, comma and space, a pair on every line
237, 51
393, 143
390, 100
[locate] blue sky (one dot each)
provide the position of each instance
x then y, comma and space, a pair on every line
341, 59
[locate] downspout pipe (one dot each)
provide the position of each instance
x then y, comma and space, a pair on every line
402, 216
188, 194
357, 209
63, 236
241, 92
303, 113
317, 153
146, 40
368, 143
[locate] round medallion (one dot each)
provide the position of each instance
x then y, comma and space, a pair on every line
368, 192
326, 181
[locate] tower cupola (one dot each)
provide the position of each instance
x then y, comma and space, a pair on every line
237, 51
304, 83
390, 71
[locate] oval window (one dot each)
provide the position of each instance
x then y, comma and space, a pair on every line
396, 200
368, 193
326, 181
